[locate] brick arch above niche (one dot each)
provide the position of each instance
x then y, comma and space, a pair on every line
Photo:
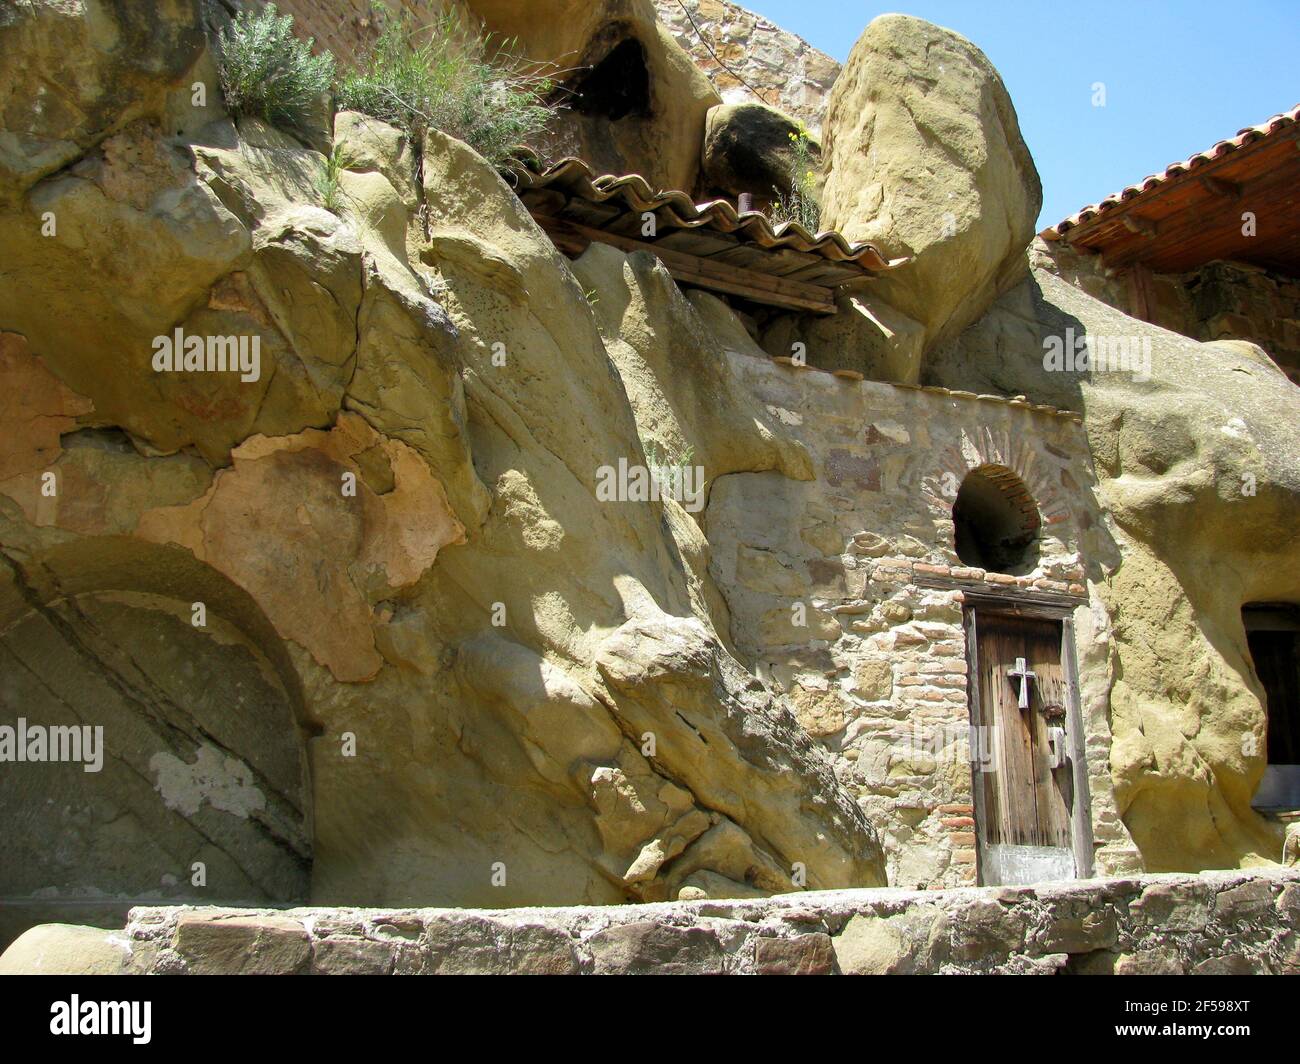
985, 449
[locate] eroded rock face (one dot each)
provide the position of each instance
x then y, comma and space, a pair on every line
72, 76
923, 156
495, 681
187, 771
1195, 447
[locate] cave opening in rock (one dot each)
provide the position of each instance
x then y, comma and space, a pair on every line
996, 521
162, 761
616, 87
1273, 638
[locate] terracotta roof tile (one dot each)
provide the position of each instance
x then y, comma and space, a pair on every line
575, 178
1249, 135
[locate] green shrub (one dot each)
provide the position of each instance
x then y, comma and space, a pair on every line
268, 72
800, 203
442, 77
329, 183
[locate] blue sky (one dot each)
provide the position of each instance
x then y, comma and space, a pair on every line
1179, 74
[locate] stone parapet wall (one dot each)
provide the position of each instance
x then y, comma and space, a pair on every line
762, 61
1214, 923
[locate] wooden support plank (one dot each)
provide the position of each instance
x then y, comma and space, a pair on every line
1081, 819
1140, 292
584, 212
1217, 186
703, 241
827, 272
1135, 223
746, 256
979, 733
572, 238
1010, 600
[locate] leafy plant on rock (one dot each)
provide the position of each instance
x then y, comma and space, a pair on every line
328, 185
444, 77
269, 73
799, 204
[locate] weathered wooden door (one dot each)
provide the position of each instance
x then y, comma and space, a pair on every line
1023, 773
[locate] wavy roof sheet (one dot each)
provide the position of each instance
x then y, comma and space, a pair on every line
1271, 127
575, 179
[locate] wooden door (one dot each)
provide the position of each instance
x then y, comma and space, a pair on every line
1024, 778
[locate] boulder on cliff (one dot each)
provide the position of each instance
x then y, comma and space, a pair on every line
923, 156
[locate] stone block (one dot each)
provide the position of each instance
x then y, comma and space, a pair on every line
648, 948
217, 944
809, 954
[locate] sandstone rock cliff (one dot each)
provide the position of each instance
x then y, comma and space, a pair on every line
357, 618
463, 662
636, 101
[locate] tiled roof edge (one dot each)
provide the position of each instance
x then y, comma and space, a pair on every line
1249, 135
718, 214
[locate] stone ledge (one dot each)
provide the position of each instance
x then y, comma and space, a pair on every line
1216, 921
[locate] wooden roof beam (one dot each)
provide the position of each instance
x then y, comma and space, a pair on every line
1078, 235
1189, 225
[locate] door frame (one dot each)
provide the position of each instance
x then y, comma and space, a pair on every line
1011, 605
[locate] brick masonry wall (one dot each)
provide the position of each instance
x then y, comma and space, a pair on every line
1213, 923
774, 66
877, 671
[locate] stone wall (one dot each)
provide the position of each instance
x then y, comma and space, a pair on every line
877, 673
762, 61
1212, 924
1236, 301
1218, 301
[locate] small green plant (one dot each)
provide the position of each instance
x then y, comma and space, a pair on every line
331, 192
799, 204
655, 461
268, 72
444, 77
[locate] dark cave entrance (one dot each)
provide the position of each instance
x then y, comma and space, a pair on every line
616, 87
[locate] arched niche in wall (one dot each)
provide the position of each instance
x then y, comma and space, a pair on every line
183, 774
996, 521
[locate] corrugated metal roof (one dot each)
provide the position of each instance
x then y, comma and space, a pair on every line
1268, 128
575, 179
